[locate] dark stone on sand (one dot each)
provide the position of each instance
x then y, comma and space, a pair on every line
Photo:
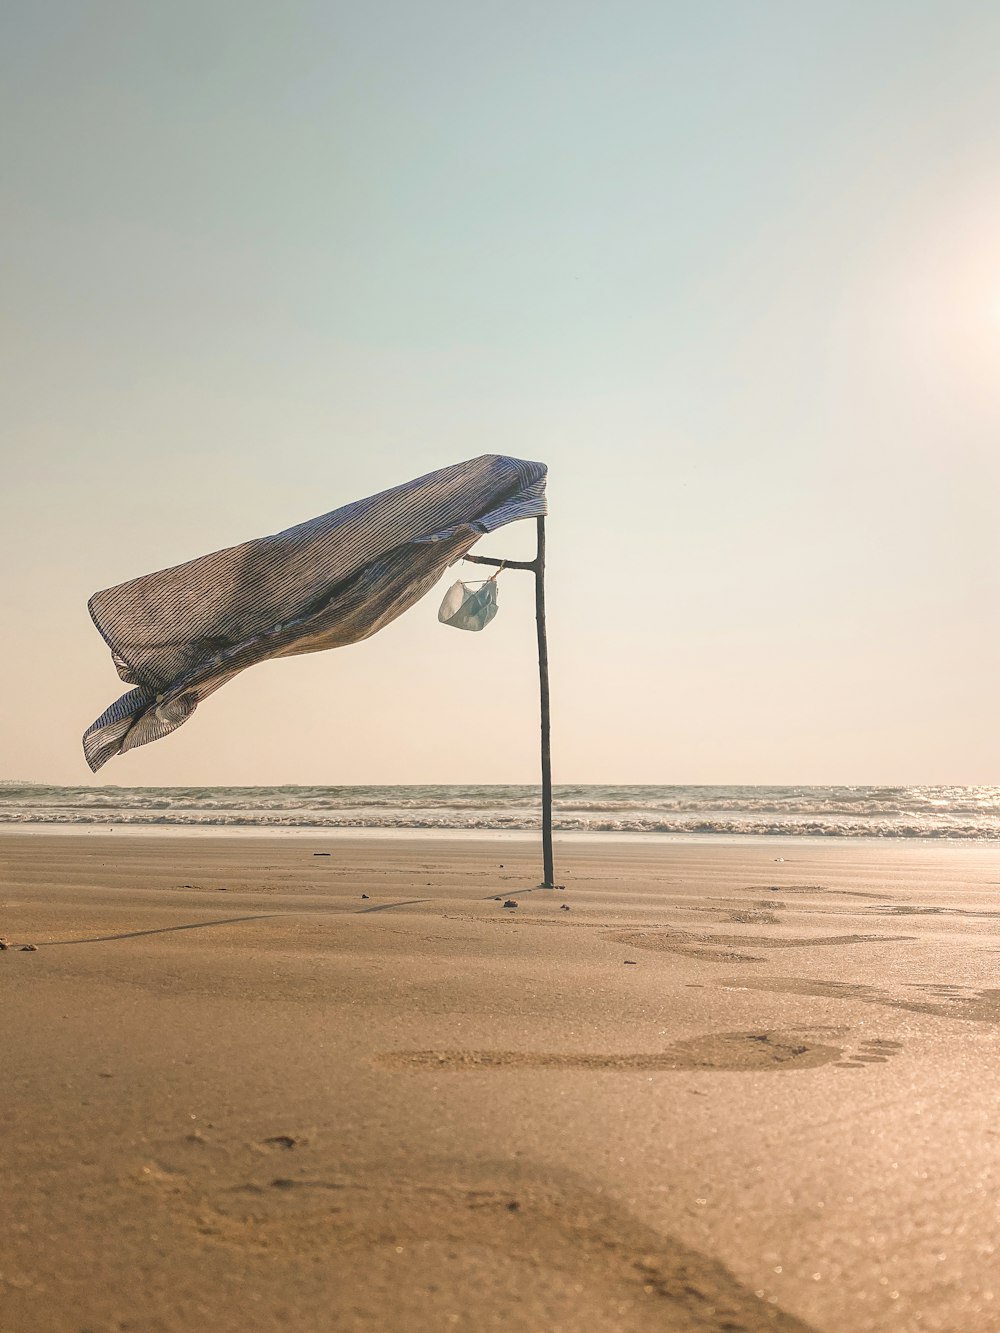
364, 895
630, 962
510, 902
564, 907
321, 853
29, 948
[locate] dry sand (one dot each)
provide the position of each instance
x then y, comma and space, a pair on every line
722, 1091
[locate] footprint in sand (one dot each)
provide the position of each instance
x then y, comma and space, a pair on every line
875, 1051
945, 1001
530, 1237
907, 909
769, 1051
726, 948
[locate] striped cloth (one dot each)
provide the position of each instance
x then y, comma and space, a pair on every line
179, 634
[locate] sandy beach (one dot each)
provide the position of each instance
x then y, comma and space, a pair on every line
334, 1083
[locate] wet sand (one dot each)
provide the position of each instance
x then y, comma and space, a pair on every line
721, 1091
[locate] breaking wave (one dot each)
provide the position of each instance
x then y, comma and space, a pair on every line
960, 813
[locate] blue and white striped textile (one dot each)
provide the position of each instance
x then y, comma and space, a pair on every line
179, 634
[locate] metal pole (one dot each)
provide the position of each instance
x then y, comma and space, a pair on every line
548, 880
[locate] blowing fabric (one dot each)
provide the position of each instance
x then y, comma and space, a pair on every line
180, 634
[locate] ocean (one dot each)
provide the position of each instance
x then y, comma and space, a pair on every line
971, 813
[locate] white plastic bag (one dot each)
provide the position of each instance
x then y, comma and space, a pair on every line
469, 606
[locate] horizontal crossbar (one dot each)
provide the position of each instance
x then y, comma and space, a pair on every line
506, 564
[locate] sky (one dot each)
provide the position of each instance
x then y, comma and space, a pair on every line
731, 270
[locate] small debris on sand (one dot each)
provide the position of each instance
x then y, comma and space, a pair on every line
510, 902
564, 907
321, 853
29, 948
630, 962
4, 944
364, 895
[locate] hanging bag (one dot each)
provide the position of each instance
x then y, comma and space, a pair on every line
470, 606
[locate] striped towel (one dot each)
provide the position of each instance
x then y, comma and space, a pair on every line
179, 634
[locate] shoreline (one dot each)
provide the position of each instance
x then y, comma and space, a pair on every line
561, 836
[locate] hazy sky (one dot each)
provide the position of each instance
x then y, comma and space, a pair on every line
732, 269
